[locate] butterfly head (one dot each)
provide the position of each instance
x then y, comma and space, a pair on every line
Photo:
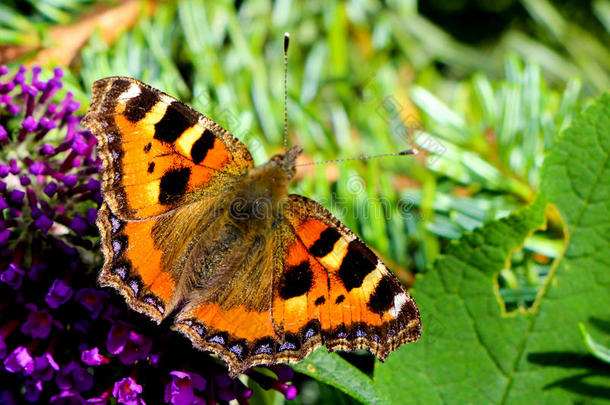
287, 161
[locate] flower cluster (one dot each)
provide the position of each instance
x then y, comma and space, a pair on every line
62, 339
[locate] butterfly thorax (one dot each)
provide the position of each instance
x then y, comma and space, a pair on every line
233, 246
260, 194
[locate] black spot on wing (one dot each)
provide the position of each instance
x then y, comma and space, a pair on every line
138, 106
195, 325
410, 310
296, 281
175, 121
320, 301
358, 262
201, 146
340, 299
135, 283
154, 301
173, 185
151, 167
118, 87
325, 243
147, 147
382, 298
220, 337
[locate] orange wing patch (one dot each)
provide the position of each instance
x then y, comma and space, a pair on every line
133, 265
236, 321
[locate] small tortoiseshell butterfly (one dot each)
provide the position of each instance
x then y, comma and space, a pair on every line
254, 274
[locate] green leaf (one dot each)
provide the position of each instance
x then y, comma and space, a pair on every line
599, 351
468, 345
471, 351
333, 370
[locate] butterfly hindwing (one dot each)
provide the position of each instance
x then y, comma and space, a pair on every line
147, 260
331, 277
133, 264
158, 153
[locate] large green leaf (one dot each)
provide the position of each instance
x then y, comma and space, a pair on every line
473, 352
333, 370
468, 346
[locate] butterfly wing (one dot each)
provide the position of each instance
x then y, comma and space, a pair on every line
157, 152
144, 259
333, 289
164, 165
319, 284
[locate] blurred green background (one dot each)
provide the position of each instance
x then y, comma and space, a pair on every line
481, 88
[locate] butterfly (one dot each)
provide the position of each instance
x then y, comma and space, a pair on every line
192, 230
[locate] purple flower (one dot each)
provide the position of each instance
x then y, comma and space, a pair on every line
136, 348
117, 337
33, 388
12, 276
266, 382
4, 235
8, 398
67, 398
127, 392
44, 367
19, 360
93, 357
38, 324
101, 400
284, 373
49, 255
228, 389
44, 223
92, 299
74, 376
29, 124
58, 294
79, 225
181, 391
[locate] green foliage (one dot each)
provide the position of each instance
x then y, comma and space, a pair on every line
27, 22
337, 372
473, 351
597, 350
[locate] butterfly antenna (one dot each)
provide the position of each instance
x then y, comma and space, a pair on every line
401, 153
286, 43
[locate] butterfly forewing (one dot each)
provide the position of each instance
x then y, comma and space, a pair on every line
158, 153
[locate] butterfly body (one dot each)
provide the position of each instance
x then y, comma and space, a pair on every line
252, 273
